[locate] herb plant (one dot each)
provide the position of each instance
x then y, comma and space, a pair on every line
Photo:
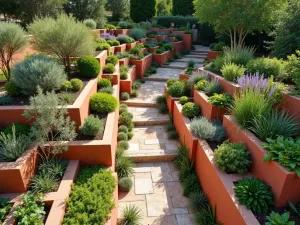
277, 219
284, 150
255, 194
220, 100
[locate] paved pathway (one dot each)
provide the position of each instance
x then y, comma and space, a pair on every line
158, 193
156, 190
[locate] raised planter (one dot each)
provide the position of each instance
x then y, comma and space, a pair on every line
55, 200
120, 48
183, 75
97, 152
177, 46
142, 65
187, 41
166, 30
125, 85
160, 38
182, 125
101, 57
178, 32
171, 39
100, 31
130, 45
121, 31
213, 54
15, 176
114, 77
219, 188
208, 110
112, 50
142, 40
153, 49
124, 62
160, 58
285, 184
151, 39
227, 86
291, 104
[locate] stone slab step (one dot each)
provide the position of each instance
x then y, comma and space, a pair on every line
197, 52
148, 116
153, 78
150, 156
195, 56
139, 103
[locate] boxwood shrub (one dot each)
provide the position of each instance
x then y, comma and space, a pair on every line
91, 198
103, 103
112, 59
88, 66
103, 83
109, 68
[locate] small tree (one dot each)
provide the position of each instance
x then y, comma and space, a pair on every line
119, 9
51, 125
163, 8
141, 10
237, 18
183, 7
63, 37
12, 40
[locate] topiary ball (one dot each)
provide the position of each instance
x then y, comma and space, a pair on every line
66, 86
125, 119
88, 66
130, 135
125, 184
109, 68
125, 96
102, 83
123, 108
123, 145
112, 59
183, 100
190, 110
177, 89
20, 129
122, 136
11, 88
103, 103
102, 46
123, 128
76, 84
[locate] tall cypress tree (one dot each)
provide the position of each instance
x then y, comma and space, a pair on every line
142, 10
183, 7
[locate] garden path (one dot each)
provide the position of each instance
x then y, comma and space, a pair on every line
156, 188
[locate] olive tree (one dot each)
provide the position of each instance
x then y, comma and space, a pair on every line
63, 37
12, 40
237, 18
51, 125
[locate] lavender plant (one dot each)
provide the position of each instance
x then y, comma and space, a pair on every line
107, 36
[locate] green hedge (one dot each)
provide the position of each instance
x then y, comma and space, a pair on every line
180, 21
91, 199
141, 10
183, 7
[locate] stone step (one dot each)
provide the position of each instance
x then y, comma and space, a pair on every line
138, 103
173, 67
151, 143
195, 56
148, 116
150, 156
201, 52
155, 78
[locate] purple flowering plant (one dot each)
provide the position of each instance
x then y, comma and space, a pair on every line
107, 36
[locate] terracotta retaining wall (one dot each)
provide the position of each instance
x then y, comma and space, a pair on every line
121, 31
219, 188
120, 48
227, 86
101, 57
160, 58
15, 176
151, 39
57, 200
208, 110
153, 49
114, 77
182, 125
112, 50
285, 184
171, 39
130, 45
291, 104
213, 55
178, 46
124, 62
98, 152
142, 40
100, 31
142, 65
160, 38
187, 41
125, 85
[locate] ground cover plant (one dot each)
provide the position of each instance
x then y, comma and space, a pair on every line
91, 198
5, 208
